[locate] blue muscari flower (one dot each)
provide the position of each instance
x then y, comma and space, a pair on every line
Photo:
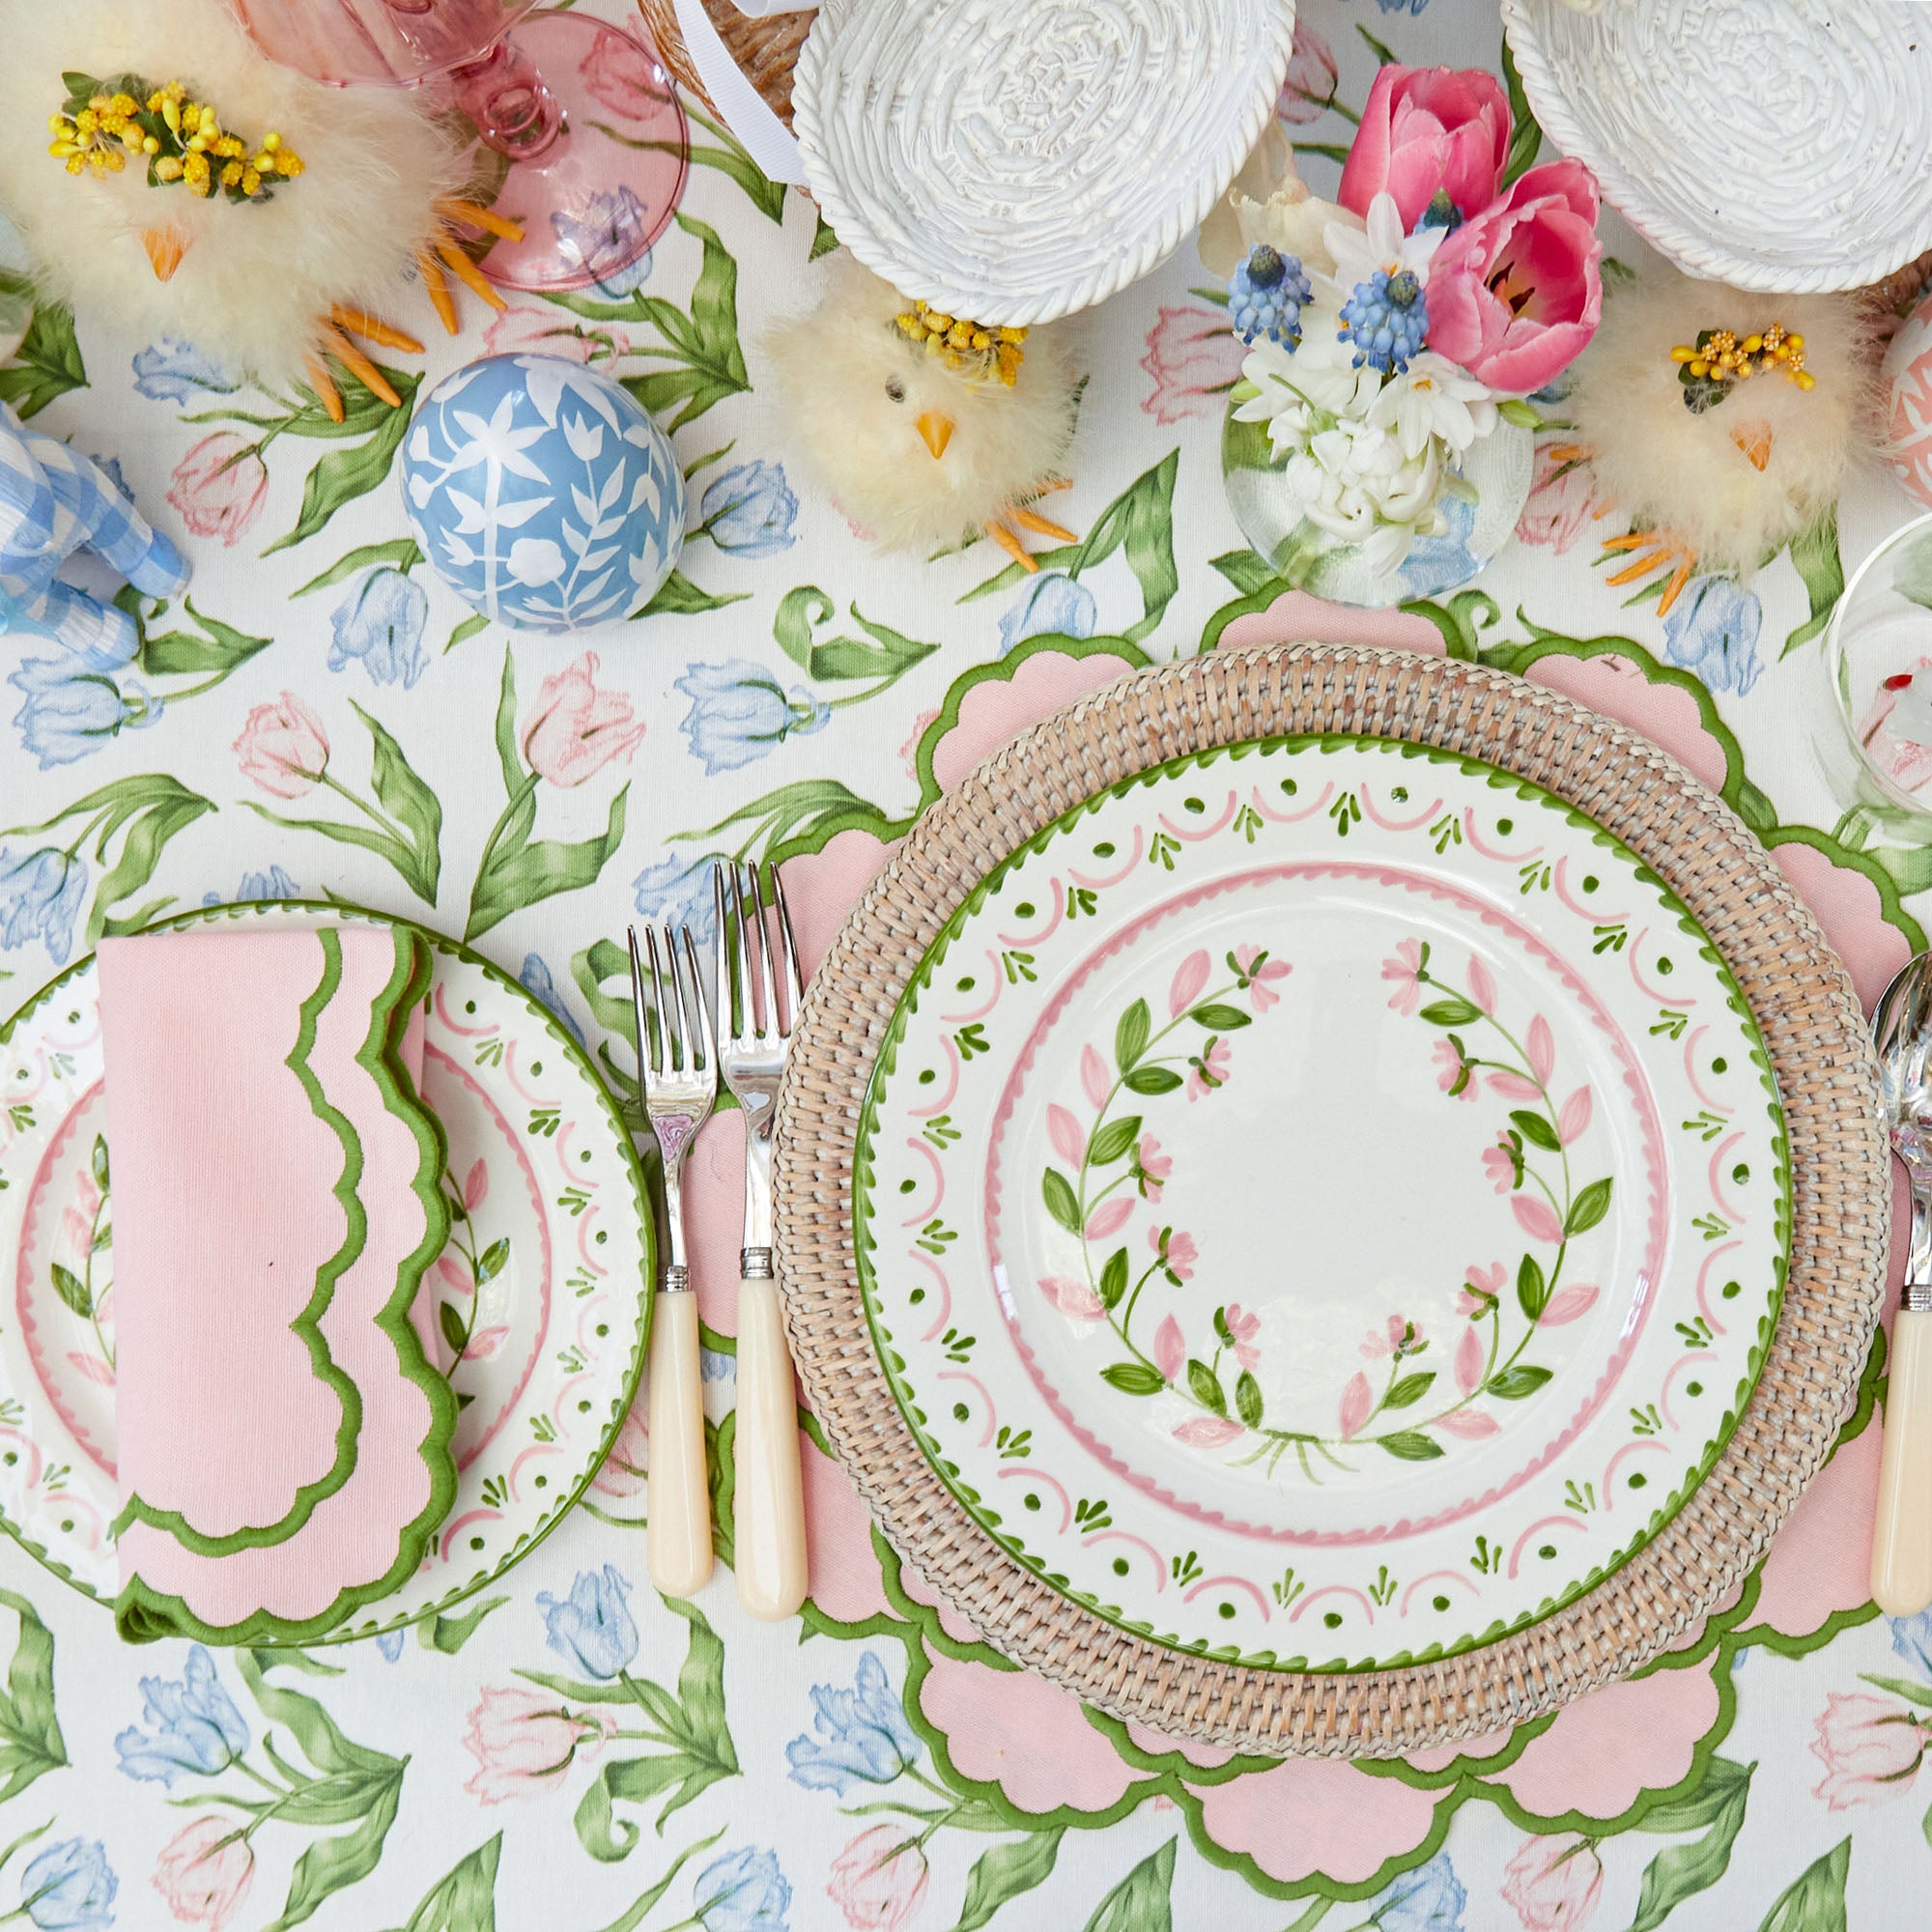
40, 893
1912, 1639
69, 714
863, 1734
382, 623
70, 1888
193, 1726
740, 712
750, 511
171, 371
1264, 297
536, 982
1387, 317
743, 1891
390, 1644
678, 892
1049, 604
1441, 212
1712, 631
591, 1627
1428, 1899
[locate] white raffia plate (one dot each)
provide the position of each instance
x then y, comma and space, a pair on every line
1773, 144
1016, 161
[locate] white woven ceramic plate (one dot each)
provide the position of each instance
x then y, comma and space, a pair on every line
1774, 144
541, 1287
1015, 161
1322, 1207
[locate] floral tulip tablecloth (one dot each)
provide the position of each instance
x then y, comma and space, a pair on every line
567, 1752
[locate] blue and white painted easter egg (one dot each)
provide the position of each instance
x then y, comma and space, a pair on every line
543, 493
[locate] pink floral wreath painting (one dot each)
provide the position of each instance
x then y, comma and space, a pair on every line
1419, 1407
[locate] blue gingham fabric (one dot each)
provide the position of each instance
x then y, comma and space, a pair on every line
54, 500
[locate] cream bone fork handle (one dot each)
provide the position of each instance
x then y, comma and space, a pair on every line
769, 1502
677, 1058
1903, 1536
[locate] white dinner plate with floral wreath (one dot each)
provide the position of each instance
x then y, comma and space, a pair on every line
542, 1308
1323, 1203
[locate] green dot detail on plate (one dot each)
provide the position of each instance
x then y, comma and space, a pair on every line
1105, 850
1400, 794
1440, 1602
1721, 1065
1289, 788
1026, 909
11, 1457
917, 1296
602, 1236
1548, 1552
1226, 1610
66, 1526
960, 1411
476, 1542
1741, 1172
536, 1067
965, 986
1031, 1501
908, 1186
1693, 1388
1193, 804
1665, 966
584, 1156
602, 1329
543, 1481
1638, 1479
1591, 882
1333, 1619
1506, 826
469, 1006
584, 1408
1731, 1290
1120, 1566
927, 1077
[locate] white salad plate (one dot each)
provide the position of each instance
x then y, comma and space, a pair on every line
1321, 1204
542, 1303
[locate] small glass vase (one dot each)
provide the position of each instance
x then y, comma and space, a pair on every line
1273, 517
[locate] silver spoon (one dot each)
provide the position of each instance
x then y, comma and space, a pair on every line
1902, 1537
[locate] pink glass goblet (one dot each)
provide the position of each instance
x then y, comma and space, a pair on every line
584, 111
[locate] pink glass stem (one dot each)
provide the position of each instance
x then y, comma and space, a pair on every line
502, 92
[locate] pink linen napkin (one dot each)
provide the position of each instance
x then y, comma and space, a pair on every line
283, 1432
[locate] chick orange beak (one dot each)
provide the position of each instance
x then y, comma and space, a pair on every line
937, 432
1754, 440
166, 247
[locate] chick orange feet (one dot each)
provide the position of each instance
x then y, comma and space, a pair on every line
1659, 551
1029, 519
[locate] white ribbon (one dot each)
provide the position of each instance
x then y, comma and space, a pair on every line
766, 138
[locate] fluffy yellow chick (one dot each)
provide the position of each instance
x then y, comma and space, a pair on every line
360, 208
917, 452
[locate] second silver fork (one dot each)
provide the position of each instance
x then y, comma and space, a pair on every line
677, 1060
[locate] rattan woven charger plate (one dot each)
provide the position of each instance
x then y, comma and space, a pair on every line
1814, 1033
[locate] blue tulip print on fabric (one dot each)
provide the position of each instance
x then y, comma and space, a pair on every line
379, 626
69, 1887
592, 1628
543, 493
69, 712
1049, 604
172, 371
192, 1726
743, 1891
536, 981
1428, 1899
750, 511
1713, 630
860, 1735
740, 712
678, 891
40, 896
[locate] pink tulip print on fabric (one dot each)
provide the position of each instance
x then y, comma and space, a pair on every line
320, 716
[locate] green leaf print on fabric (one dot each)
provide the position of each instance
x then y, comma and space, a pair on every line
730, 158
1139, 520
1006, 1872
31, 1744
701, 346
1816, 1901
887, 657
1716, 1809
1143, 1901
690, 1726
640, 1909
145, 811
401, 553
572, 733
804, 815
464, 1898
48, 363
450, 1633
405, 823
1814, 555
678, 596
209, 653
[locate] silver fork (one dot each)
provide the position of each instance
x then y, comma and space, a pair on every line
756, 1033
678, 1059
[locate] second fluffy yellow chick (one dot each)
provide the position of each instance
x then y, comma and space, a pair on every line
919, 453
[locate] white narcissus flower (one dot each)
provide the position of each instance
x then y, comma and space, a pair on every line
1433, 397
1357, 253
